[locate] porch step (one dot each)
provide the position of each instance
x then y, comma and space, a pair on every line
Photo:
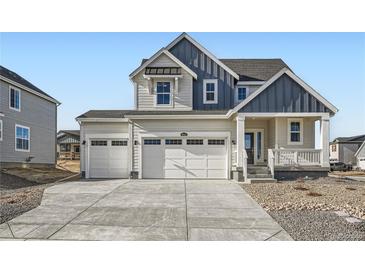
266, 175
260, 180
258, 170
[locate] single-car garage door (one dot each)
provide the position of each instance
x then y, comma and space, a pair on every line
108, 158
184, 158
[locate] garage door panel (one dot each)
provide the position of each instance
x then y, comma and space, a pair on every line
174, 163
174, 152
196, 173
196, 163
216, 164
175, 173
220, 174
195, 151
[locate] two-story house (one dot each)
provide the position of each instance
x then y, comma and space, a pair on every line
197, 116
28, 122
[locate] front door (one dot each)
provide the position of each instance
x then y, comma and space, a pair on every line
249, 146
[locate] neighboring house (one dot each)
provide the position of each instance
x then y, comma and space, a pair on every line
343, 149
68, 144
360, 157
197, 116
28, 122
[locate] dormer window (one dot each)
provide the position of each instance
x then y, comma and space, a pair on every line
210, 91
163, 93
241, 93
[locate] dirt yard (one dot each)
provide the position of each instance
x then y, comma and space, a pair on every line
70, 165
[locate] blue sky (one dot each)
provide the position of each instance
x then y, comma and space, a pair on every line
90, 70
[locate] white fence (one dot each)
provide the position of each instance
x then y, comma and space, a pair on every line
295, 157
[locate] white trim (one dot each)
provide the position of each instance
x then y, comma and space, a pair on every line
2, 114
29, 90
22, 150
20, 98
175, 117
204, 50
101, 120
286, 114
250, 83
172, 88
286, 71
171, 56
290, 120
210, 81
360, 148
1, 130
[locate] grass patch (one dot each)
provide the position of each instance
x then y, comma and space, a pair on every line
314, 194
302, 188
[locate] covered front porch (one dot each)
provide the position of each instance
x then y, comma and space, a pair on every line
281, 145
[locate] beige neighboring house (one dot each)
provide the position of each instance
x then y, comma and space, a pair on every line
68, 145
360, 157
343, 149
201, 117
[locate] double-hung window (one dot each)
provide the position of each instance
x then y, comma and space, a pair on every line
295, 131
14, 98
241, 93
22, 138
163, 93
210, 93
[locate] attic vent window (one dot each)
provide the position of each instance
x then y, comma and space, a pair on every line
163, 71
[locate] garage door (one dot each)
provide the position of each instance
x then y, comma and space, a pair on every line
184, 158
108, 158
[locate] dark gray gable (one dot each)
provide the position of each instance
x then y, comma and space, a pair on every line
205, 68
284, 95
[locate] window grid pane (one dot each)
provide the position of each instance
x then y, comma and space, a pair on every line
194, 142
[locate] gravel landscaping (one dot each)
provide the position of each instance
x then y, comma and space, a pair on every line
305, 208
21, 193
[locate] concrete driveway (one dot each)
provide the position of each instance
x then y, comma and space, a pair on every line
145, 210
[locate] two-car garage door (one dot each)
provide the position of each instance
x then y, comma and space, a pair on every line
184, 158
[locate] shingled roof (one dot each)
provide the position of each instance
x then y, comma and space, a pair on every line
70, 131
255, 69
356, 139
11, 75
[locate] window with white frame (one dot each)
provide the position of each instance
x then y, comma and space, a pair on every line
1, 130
241, 93
163, 93
14, 98
22, 138
210, 91
295, 131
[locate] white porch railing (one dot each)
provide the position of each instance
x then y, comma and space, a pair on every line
271, 162
244, 164
296, 157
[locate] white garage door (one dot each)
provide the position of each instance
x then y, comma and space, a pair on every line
184, 158
108, 158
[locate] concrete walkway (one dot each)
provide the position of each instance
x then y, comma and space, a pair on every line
145, 210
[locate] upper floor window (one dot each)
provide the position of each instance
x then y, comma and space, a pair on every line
241, 93
14, 98
163, 93
210, 91
333, 147
22, 138
295, 131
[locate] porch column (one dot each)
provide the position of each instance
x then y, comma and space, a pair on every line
240, 137
325, 125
